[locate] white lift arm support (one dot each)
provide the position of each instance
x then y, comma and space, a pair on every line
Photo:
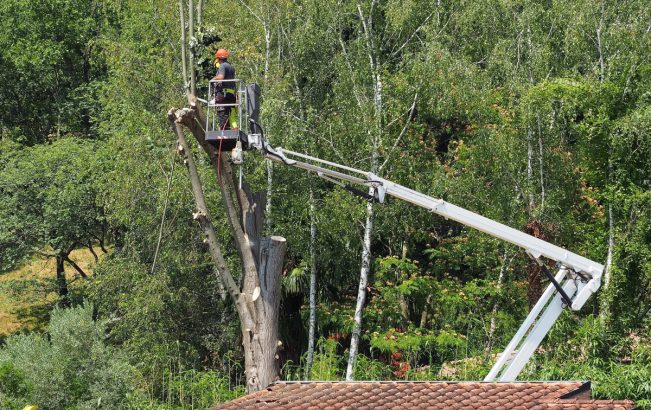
576, 280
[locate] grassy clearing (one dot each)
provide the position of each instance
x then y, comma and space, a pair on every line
28, 293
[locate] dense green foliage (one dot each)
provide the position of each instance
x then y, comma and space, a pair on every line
70, 366
51, 199
536, 114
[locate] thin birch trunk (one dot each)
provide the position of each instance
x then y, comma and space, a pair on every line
541, 159
269, 163
361, 292
602, 62
531, 204
605, 306
402, 301
193, 71
374, 140
312, 322
184, 52
162, 221
199, 13
496, 307
611, 246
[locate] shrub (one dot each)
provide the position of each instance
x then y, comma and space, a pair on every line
70, 367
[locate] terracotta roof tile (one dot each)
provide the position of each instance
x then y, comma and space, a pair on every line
442, 395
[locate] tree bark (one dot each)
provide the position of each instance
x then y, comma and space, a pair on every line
193, 71
199, 13
531, 204
312, 320
92, 251
270, 180
72, 263
62, 282
496, 307
402, 301
261, 345
361, 292
374, 140
184, 64
534, 272
162, 220
605, 305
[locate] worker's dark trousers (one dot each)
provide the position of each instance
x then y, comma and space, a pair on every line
224, 112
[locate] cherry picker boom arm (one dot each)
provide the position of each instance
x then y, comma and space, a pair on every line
576, 280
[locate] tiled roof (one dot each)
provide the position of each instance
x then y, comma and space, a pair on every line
424, 395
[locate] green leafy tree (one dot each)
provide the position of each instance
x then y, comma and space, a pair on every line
50, 204
51, 65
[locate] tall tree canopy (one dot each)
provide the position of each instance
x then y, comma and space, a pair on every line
535, 114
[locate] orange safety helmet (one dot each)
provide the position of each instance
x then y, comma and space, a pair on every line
222, 53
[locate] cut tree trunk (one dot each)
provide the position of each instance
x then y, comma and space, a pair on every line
257, 301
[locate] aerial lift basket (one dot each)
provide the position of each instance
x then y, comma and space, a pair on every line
227, 137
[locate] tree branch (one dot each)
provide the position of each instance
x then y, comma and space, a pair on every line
92, 251
192, 118
393, 54
402, 133
162, 221
74, 265
184, 62
250, 10
203, 216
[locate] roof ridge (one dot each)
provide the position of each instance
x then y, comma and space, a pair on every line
426, 381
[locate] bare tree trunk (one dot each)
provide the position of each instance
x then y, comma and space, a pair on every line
264, 344
605, 305
361, 292
199, 13
602, 63
257, 303
270, 180
75, 266
62, 282
184, 52
425, 316
496, 306
312, 321
541, 159
404, 306
374, 138
162, 221
193, 71
531, 204
92, 251
611, 247
266, 27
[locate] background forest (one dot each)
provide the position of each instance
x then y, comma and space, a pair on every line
533, 113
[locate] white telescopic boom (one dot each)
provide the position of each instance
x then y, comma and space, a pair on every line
580, 277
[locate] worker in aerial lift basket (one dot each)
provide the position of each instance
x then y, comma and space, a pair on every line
224, 92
